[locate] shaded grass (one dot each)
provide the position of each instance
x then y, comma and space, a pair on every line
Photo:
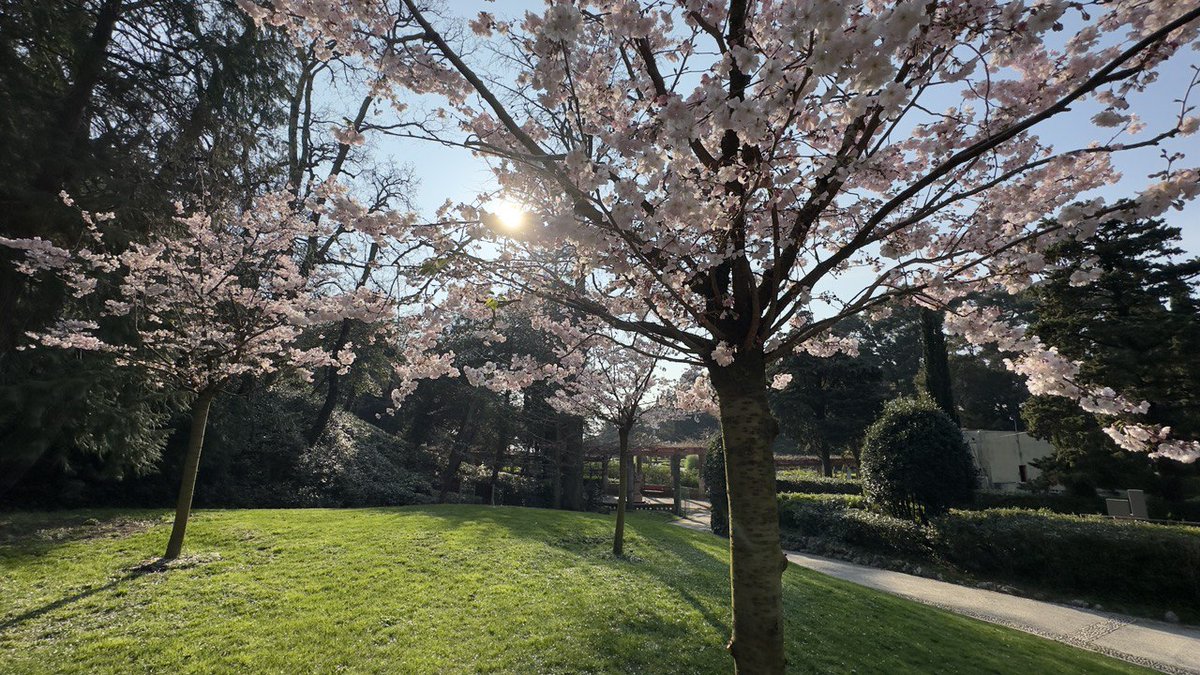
443, 589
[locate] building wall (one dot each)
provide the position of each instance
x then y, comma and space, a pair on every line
1001, 454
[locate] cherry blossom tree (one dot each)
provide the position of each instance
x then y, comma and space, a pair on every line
614, 386
215, 297
731, 179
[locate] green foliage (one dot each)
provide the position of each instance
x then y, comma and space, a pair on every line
356, 464
828, 403
714, 483
1064, 503
1136, 329
831, 523
181, 100
935, 363
839, 500
68, 422
257, 456
659, 473
449, 589
1075, 554
1159, 508
819, 485
915, 463
1119, 561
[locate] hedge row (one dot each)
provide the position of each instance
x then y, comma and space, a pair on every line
1070, 504
838, 500
818, 485
1125, 558
831, 522
1188, 510
1063, 553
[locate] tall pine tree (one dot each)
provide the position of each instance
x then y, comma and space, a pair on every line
1136, 328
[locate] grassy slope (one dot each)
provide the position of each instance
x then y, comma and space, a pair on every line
444, 589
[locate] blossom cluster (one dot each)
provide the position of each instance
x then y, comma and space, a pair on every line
1049, 373
715, 181
213, 296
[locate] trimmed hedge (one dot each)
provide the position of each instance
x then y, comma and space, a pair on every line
1119, 559
842, 501
1064, 503
1188, 510
830, 523
1072, 553
819, 485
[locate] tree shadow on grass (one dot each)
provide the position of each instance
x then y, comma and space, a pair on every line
31, 534
677, 562
156, 566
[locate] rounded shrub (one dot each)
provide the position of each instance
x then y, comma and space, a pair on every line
915, 463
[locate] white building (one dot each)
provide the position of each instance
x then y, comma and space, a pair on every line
1005, 458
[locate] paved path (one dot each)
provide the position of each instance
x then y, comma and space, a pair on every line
1163, 646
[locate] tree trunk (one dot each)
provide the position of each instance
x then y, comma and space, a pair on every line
826, 460
191, 466
622, 494
570, 437
466, 436
756, 557
498, 458
676, 484
69, 126
556, 473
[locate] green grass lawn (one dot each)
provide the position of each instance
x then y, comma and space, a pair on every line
442, 589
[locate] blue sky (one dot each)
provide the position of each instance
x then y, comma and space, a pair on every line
449, 173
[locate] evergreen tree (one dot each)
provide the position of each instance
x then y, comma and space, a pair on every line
829, 402
127, 107
1135, 328
935, 363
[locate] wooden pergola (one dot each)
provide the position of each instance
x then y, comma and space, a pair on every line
675, 452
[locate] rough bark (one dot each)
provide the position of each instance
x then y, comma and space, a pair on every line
191, 466
622, 493
756, 557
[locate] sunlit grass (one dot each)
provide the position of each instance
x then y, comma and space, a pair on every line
441, 589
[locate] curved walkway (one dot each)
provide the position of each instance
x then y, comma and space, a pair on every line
1163, 646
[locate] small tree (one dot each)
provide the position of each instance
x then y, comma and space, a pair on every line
915, 463
223, 299
613, 387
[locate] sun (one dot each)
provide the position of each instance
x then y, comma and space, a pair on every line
509, 214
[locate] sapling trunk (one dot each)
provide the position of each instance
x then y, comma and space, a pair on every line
756, 558
191, 466
622, 496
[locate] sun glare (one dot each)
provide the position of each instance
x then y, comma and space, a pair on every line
509, 214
